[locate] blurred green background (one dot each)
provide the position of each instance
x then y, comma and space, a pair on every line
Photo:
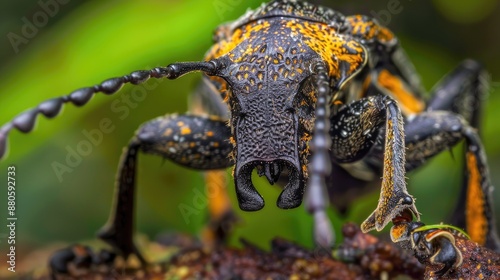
84, 43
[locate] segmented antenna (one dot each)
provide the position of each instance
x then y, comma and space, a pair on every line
320, 165
25, 122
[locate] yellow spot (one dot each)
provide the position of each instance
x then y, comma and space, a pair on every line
185, 130
304, 168
476, 222
209, 133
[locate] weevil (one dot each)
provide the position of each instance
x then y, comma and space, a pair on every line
309, 96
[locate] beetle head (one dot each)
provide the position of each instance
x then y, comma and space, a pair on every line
267, 73
268, 122
272, 105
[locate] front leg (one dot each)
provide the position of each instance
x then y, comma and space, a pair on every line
192, 141
355, 130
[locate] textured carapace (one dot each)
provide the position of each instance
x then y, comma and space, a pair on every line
269, 56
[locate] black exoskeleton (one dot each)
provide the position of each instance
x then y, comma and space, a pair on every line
326, 102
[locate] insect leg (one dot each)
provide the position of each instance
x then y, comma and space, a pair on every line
430, 133
394, 197
191, 141
462, 92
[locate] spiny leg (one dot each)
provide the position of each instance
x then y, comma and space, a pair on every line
118, 231
479, 213
460, 92
394, 197
430, 133
463, 91
191, 141
354, 131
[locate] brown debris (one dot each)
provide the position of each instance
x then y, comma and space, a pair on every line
478, 263
377, 258
360, 256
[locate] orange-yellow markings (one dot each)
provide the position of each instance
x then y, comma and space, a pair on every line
397, 231
362, 27
443, 233
385, 35
239, 35
369, 29
475, 219
331, 47
185, 130
219, 202
407, 101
